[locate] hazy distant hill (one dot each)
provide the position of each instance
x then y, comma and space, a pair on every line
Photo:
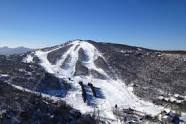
18, 50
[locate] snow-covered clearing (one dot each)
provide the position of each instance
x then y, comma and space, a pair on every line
28, 59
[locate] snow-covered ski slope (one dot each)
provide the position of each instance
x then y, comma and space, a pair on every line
110, 92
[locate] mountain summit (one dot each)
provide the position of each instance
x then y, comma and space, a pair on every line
9, 51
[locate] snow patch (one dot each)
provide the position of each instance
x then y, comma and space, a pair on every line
28, 59
170, 99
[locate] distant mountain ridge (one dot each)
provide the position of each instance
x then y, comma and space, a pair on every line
18, 50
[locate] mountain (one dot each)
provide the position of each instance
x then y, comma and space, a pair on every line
118, 74
9, 51
105, 80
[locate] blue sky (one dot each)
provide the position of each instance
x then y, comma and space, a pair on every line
158, 24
